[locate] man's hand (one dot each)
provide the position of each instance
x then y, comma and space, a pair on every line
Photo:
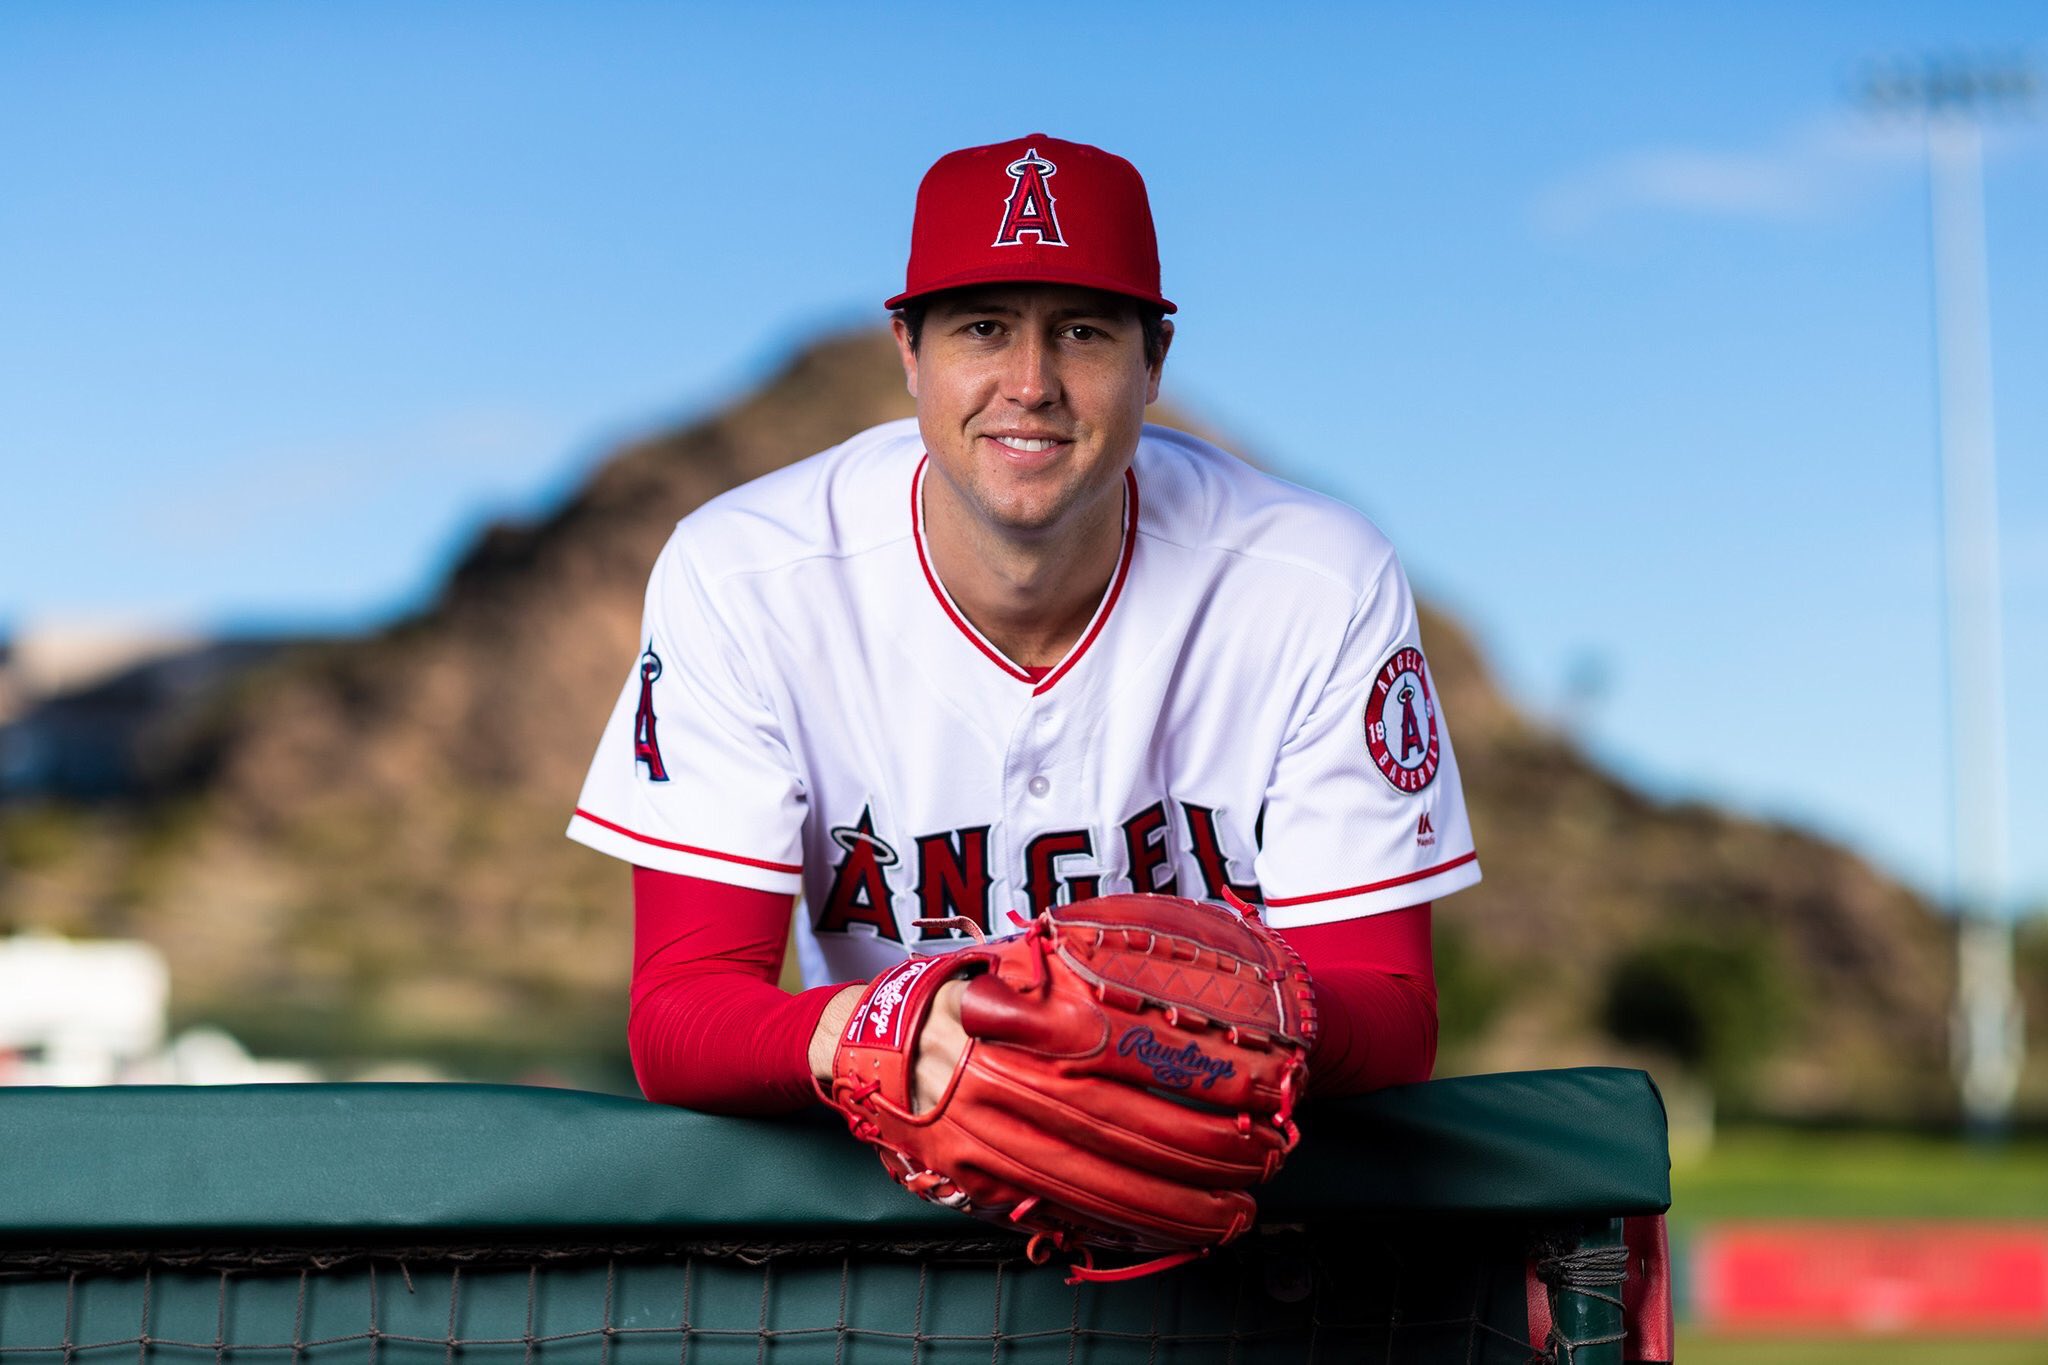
1132, 1074
937, 1052
825, 1038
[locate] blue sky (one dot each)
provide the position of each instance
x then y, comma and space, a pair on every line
1615, 317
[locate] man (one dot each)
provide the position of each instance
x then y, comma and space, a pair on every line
1021, 651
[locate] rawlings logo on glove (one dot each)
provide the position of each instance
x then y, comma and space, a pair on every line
1176, 1069
1130, 1074
878, 1007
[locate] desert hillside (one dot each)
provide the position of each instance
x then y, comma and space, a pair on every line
355, 847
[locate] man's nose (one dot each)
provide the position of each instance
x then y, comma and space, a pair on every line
1031, 374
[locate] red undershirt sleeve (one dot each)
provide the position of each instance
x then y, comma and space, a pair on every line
1375, 1000
709, 1027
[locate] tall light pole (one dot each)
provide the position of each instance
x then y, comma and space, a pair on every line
1952, 98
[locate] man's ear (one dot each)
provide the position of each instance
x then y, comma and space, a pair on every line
1159, 365
909, 355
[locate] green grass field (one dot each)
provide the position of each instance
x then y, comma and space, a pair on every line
1789, 1173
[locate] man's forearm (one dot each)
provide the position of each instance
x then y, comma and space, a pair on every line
1375, 988
710, 1029
1376, 1030
726, 1043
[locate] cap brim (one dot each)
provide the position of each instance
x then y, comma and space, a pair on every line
1082, 279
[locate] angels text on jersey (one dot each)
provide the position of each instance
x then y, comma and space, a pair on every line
949, 874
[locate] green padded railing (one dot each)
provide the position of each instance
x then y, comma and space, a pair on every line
178, 1164
147, 1201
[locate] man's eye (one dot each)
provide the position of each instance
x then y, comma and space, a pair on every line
983, 328
1081, 331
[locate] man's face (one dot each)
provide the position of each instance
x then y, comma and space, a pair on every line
1030, 399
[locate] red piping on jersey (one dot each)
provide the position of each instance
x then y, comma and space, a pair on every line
1401, 880
1116, 585
689, 848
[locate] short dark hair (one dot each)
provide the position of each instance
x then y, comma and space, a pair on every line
1151, 320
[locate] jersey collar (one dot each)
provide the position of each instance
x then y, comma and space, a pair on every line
1039, 686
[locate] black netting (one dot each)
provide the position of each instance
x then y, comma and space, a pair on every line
1285, 1297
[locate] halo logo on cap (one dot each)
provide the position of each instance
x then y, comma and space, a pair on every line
990, 216
1030, 205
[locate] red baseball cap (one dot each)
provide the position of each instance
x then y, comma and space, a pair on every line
1034, 210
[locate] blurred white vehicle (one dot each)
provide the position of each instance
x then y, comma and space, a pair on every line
93, 1013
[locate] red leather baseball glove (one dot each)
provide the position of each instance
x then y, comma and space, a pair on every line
1132, 1066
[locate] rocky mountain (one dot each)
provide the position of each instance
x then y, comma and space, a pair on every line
357, 847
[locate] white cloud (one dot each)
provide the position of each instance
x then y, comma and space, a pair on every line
1813, 170
489, 452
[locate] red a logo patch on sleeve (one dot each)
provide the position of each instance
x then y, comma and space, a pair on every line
646, 747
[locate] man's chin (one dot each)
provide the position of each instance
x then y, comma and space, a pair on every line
1034, 524
1022, 514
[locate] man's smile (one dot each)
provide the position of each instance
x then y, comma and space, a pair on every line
1031, 449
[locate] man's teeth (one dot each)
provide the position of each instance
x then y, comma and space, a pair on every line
1028, 444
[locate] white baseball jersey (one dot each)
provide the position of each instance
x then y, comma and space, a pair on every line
1250, 707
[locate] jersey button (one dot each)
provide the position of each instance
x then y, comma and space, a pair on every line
1039, 785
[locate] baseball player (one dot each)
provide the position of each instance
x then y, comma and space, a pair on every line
1020, 651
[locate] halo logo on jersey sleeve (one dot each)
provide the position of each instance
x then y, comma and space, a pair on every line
1030, 205
1400, 722
646, 747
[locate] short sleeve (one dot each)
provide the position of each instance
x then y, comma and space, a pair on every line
1364, 813
694, 773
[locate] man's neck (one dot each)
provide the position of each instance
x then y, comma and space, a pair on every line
1031, 598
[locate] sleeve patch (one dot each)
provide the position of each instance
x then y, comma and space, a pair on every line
1401, 733
646, 745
